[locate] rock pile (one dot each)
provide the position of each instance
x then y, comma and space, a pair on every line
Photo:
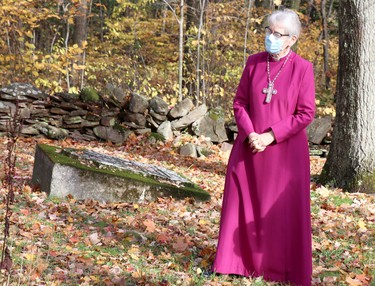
113, 118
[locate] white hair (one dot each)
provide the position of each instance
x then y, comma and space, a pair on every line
288, 18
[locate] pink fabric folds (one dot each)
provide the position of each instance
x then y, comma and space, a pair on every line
265, 227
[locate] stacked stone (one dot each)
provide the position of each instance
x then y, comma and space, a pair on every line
68, 112
111, 118
26, 101
115, 116
156, 115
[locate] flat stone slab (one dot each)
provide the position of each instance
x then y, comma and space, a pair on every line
86, 174
318, 129
21, 91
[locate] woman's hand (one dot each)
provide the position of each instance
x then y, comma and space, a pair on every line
259, 142
255, 143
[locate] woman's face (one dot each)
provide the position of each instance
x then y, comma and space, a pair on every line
279, 28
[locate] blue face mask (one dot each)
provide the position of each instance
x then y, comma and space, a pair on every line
273, 45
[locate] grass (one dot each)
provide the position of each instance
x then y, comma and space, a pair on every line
340, 200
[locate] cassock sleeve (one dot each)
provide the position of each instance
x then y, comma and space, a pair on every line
241, 105
305, 109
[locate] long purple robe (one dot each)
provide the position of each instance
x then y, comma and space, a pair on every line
265, 227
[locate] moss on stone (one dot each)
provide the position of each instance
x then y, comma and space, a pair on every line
216, 113
70, 96
89, 94
58, 156
120, 128
156, 136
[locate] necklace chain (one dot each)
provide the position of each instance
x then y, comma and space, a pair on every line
278, 73
269, 90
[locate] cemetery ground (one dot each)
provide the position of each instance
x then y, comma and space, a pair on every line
166, 242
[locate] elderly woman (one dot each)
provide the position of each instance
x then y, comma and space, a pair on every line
265, 227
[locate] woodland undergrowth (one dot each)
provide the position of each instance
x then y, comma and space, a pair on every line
65, 241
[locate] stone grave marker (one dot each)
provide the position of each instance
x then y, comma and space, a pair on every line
318, 129
86, 174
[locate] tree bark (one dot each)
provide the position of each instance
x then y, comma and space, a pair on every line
181, 50
79, 36
192, 18
198, 64
311, 10
351, 161
80, 23
325, 44
192, 15
267, 4
295, 4
248, 13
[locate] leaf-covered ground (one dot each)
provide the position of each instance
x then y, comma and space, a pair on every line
167, 242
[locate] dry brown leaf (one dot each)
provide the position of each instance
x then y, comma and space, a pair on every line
180, 245
353, 282
150, 225
26, 234
162, 238
94, 238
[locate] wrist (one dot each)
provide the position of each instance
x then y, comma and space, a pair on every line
252, 136
271, 135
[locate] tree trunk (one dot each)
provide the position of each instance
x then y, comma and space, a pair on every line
79, 36
267, 4
351, 160
66, 42
80, 23
250, 3
102, 21
192, 20
181, 50
295, 4
325, 44
311, 11
192, 15
198, 64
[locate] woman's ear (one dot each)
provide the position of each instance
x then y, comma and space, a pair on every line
294, 39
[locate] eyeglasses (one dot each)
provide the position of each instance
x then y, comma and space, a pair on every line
277, 35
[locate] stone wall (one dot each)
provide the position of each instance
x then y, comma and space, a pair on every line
110, 118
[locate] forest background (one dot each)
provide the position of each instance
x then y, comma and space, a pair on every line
155, 48
150, 47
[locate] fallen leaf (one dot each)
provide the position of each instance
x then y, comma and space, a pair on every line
323, 191
28, 235
30, 256
25, 212
94, 238
150, 225
180, 245
162, 238
203, 222
362, 225
353, 282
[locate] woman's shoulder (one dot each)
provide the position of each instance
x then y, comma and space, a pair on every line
258, 57
298, 60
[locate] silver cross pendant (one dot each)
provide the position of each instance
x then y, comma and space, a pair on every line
269, 91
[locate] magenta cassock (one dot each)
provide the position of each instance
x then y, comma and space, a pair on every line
265, 227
